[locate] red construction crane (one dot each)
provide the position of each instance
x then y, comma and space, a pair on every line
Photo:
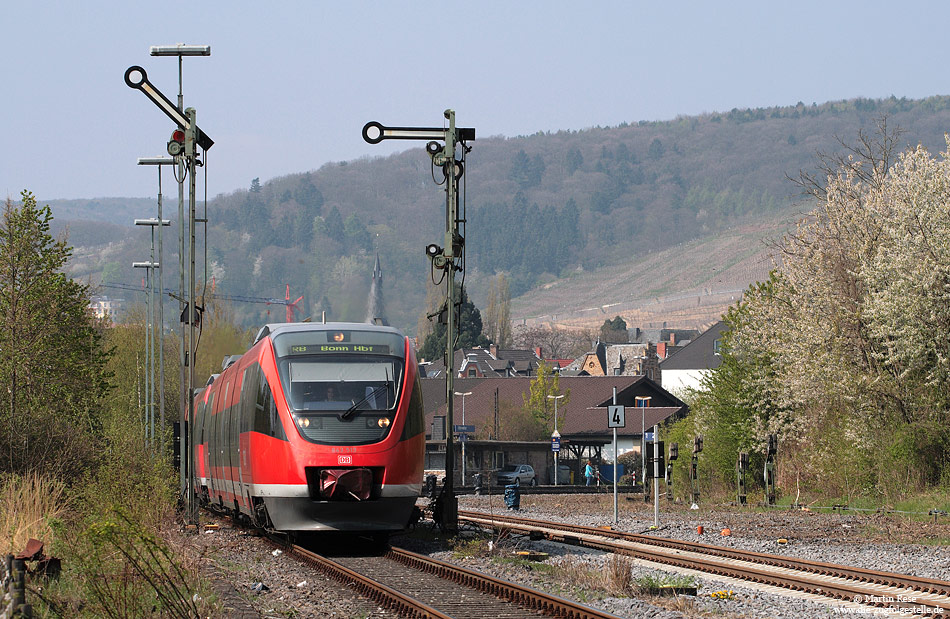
291, 307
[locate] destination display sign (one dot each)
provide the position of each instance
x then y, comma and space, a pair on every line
317, 349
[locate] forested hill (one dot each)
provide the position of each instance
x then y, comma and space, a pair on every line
538, 207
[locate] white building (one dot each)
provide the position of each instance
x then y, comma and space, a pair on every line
686, 368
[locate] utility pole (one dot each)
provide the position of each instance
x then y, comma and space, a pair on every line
449, 259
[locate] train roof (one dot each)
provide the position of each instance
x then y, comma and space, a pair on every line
298, 327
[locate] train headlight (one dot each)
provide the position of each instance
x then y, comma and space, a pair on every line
305, 422
383, 422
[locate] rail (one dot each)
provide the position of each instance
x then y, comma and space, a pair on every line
905, 593
534, 602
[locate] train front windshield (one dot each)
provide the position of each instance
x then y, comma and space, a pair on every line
343, 387
339, 382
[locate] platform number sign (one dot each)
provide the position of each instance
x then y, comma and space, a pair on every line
615, 417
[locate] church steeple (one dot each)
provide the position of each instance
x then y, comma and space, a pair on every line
375, 312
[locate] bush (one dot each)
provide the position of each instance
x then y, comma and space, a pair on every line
127, 571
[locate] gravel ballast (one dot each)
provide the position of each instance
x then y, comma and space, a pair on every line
278, 586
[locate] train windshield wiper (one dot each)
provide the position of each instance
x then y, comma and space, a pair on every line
356, 405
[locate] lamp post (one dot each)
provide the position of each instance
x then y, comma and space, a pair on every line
464, 440
159, 162
160, 319
555, 434
149, 349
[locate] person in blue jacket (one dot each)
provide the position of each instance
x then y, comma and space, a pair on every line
589, 472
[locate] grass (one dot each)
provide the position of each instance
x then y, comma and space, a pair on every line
115, 560
660, 580
528, 564
615, 578
30, 506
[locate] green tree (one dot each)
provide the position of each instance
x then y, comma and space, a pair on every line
526, 171
334, 225
307, 195
856, 324
737, 405
498, 312
545, 383
516, 423
111, 273
356, 234
52, 365
469, 334
614, 331
574, 160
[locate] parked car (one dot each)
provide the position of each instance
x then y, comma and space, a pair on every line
516, 474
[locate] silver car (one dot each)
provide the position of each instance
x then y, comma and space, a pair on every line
516, 474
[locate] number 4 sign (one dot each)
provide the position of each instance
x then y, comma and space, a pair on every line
615, 417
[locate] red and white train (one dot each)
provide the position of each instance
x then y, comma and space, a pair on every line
318, 427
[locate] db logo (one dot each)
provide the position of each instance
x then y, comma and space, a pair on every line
345, 460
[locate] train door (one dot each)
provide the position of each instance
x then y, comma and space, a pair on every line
232, 455
207, 423
221, 451
245, 407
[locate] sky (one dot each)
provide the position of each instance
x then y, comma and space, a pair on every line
289, 85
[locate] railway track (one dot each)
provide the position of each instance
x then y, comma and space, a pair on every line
414, 585
899, 593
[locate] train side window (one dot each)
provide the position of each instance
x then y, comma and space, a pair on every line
249, 389
206, 419
266, 419
415, 414
223, 429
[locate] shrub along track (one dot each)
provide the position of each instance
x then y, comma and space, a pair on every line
414, 585
883, 589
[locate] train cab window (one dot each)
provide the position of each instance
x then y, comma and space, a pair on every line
316, 385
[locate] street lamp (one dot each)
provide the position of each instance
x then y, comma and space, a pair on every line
555, 434
462, 435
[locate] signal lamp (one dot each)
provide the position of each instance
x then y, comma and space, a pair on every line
433, 250
177, 142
